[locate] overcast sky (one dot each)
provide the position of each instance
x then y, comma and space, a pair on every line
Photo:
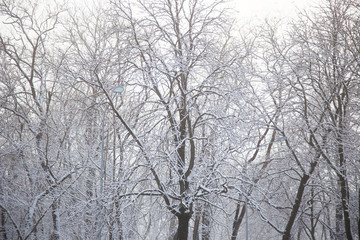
250, 9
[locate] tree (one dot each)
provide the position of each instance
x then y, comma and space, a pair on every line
211, 127
36, 143
332, 80
181, 48
315, 62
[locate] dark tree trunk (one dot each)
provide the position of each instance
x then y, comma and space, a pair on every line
312, 216
338, 219
345, 207
183, 224
2, 225
344, 191
237, 221
299, 195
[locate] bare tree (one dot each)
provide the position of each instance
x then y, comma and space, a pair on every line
181, 49
35, 145
316, 64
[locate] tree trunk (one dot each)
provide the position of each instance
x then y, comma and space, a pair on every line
56, 220
118, 221
183, 225
196, 226
338, 219
312, 216
2, 224
299, 195
344, 191
345, 207
205, 230
237, 221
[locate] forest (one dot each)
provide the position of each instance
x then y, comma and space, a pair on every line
173, 120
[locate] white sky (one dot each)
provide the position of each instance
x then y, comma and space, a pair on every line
259, 9
248, 10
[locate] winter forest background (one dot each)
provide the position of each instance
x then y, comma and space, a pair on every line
217, 127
